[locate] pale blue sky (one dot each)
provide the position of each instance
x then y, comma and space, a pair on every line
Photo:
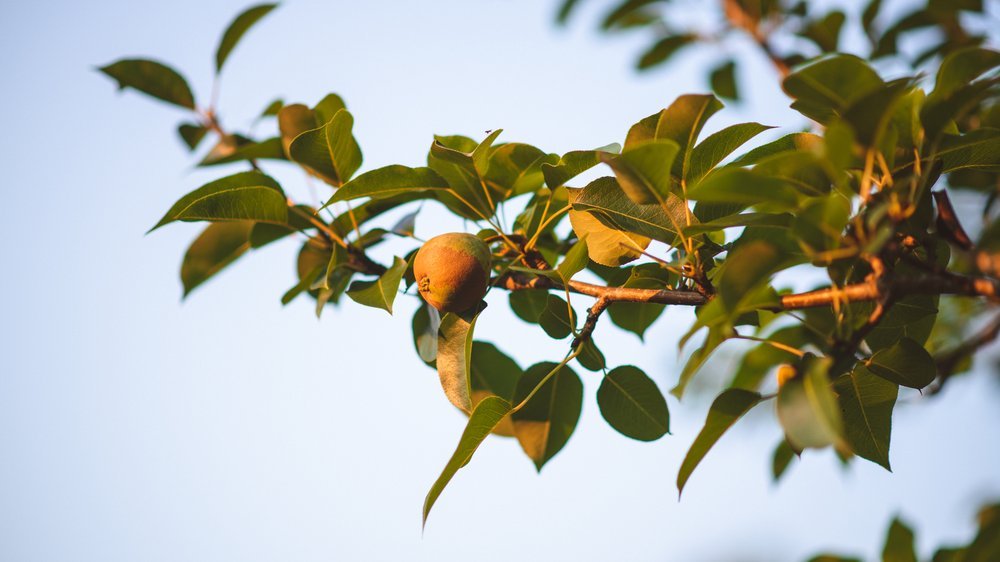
137, 427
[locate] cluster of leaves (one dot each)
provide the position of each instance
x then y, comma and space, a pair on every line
899, 543
683, 219
802, 33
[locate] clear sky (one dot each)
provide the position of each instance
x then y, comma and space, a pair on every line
226, 427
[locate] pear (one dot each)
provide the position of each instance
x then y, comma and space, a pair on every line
453, 271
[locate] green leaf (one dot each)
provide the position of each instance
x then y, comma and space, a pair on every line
331, 152
788, 143
605, 245
382, 292
682, 123
663, 49
515, 169
606, 201
546, 422
807, 407
236, 29
748, 267
866, 402
463, 166
151, 78
454, 357
493, 371
192, 134
782, 220
638, 317
632, 404
825, 32
557, 318
825, 88
738, 186
483, 420
959, 69
783, 455
643, 170
426, 323
979, 149
529, 304
899, 543
759, 361
575, 163
707, 154
713, 339
819, 226
727, 408
905, 363
243, 196
911, 317
574, 261
272, 109
293, 120
215, 248
389, 181
723, 81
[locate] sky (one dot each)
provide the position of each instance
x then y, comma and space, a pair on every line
135, 426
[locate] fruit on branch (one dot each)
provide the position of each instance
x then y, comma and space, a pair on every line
453, 271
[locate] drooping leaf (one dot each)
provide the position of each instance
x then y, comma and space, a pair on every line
494, 374
866, 402
574, 261
454, 357
381, 292
215, 248
244, 196
905, 363
716, 335
426, 323
483, 420
632, 404
727, 408
151, 78
237, 29
807, 407
546, 422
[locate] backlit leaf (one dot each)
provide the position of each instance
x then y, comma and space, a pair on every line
546, 422
483, 420
727, 408
243, 196
215, 248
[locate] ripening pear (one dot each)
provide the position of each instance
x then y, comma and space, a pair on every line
453, 271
